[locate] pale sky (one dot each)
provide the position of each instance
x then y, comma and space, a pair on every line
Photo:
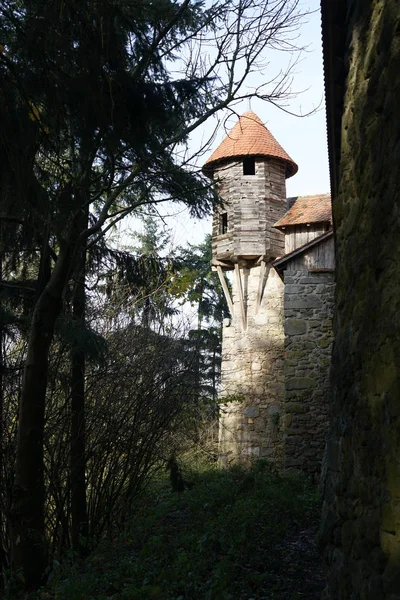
303, 138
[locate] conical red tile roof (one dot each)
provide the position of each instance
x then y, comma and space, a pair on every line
249, 137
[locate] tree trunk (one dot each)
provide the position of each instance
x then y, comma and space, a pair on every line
2, 482
27, 511
78, 462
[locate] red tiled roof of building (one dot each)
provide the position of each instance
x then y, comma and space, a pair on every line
307, 209
249, 137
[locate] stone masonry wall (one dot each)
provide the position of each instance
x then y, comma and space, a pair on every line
360, 530
252, 374
308, 310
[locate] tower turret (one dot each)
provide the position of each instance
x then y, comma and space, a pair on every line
249, 169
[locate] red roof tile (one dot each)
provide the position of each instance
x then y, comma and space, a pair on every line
249, 137
307, 209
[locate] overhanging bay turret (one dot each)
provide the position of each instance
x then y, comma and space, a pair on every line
249, 170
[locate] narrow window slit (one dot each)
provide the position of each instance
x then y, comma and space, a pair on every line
224, 222
249, 165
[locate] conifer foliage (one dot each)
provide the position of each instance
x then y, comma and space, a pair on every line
97, 97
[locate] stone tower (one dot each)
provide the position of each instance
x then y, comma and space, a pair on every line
249, 169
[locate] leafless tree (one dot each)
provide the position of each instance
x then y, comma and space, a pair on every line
95, 113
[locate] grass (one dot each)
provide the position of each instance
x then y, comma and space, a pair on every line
237, 535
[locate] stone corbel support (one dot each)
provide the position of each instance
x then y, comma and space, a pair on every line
241, 297
225, 288
261, 283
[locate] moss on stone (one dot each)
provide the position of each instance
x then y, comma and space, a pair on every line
296, 407
301, 383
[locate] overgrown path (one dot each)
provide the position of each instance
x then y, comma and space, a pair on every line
235, 535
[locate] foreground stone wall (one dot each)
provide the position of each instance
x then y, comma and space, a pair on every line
308, 310
252, 373
360, 531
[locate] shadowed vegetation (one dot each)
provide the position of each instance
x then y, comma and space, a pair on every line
234, 535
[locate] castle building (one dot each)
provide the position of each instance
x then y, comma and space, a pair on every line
276, 345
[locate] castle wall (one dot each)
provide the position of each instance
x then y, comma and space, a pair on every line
308, 310
252, 373
360, 531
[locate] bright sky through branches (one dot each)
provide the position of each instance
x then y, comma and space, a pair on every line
303, 138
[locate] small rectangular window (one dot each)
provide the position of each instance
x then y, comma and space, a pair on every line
249, 165
224, 223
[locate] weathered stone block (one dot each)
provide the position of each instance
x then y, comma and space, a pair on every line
301, 383
301, 302
391, 578
378, 560
295, 431
259, 425
292, 462
295, 407
252, 411
291, 288
325, 341
251, 451
295, 326
287, 420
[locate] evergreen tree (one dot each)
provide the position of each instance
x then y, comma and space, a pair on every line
196, 283
91, 118
79, 517
199, 285
154, 302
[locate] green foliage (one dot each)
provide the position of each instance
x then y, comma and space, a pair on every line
198, 284
80, 338
193, 281
7, 317
153, 301
219, 541
232, 398
99, 100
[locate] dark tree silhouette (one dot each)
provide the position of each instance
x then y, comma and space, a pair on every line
92, 120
